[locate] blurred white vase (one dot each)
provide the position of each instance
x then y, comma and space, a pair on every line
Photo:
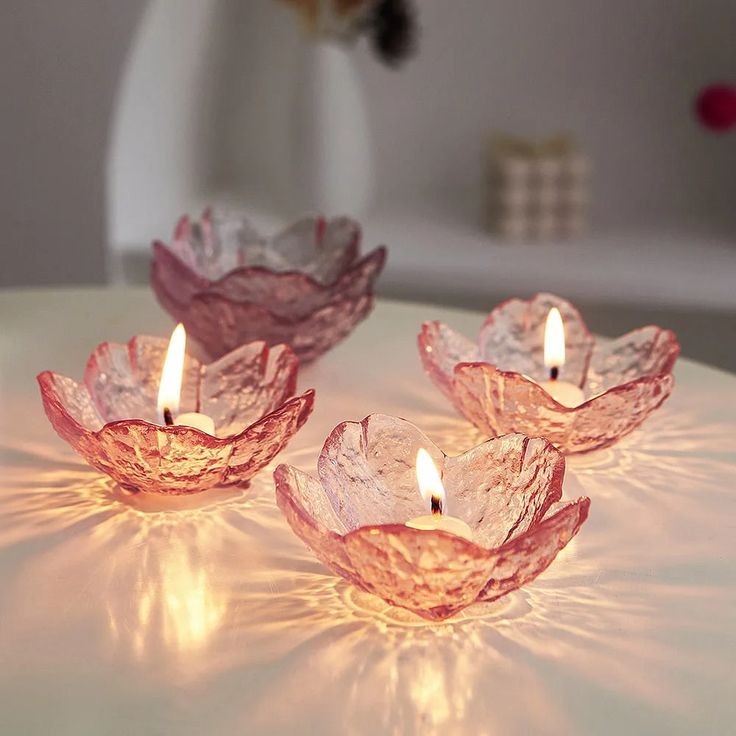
331, 134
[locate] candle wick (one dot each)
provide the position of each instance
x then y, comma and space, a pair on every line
168, 419
554, 372
436, 506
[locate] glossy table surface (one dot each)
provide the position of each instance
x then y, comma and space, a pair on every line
124, 614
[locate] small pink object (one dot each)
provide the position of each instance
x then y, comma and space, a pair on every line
496, 384
307, 286
716, 107
111, 419
354, 518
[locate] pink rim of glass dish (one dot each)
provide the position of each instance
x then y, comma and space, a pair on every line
494, 383
353, 518
110, 418
307, 286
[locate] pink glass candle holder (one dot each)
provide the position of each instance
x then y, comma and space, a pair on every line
496, 383
505, 491
307, 286
111, 419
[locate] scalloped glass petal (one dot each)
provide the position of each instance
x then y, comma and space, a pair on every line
507, 490
110, 418
494, 384
306, 286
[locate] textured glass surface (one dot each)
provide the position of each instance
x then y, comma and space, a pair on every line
110, 418
306, 286
507, 490
494, 384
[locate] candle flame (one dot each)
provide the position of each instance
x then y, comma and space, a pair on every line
430, 482
554, 340
169, 390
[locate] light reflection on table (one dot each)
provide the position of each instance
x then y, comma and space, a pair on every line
210, 613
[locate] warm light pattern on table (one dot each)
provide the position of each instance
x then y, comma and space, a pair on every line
208, 613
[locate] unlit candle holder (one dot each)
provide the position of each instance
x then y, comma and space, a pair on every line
307, 286
111, 420
495, 384
354, 518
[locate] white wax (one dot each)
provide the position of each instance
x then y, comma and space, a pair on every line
198, 421
565, 393
450, 524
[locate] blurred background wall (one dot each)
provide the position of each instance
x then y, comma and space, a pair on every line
61, 62
213, 80
120, 116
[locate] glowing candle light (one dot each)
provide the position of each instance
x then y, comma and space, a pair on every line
169, 392
433, 492
563, 392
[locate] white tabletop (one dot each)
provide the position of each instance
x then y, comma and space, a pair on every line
123, 614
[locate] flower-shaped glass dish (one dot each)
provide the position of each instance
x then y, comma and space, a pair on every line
495, 384
354, 518
111, 419
307, 286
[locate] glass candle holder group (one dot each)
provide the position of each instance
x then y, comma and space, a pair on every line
388, 511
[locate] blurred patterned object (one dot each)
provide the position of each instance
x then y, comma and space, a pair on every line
538, 189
